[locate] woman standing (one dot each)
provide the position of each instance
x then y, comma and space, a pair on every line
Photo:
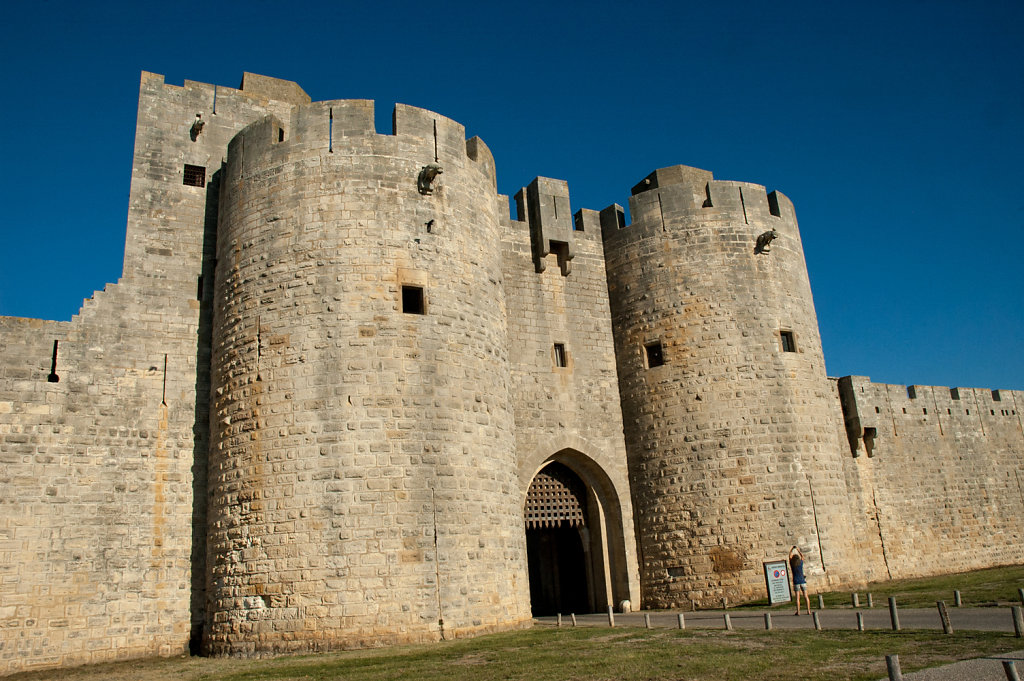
796, 568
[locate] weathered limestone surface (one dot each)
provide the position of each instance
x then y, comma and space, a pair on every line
570, 414
732, 453
363, 478
102, 490
939, 473
308, 414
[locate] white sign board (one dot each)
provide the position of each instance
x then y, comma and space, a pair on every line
776, 578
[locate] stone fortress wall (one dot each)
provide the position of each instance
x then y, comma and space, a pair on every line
315, 408
102, 490
935, 474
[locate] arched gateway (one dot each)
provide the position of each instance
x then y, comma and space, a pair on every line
574, 538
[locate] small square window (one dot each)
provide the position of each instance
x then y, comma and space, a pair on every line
194, 176
655, 356
561, 360
412, 300
788, 341
996, 397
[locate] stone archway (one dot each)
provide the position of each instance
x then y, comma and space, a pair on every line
558, 543
577, 553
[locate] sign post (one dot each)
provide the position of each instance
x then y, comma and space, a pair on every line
776, 578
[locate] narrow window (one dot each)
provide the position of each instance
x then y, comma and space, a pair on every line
53, 377
788, 341
996, 397
655, 356
560, 357
412, 300
954, 393
912, 392
877, 410
280, 134
194, 176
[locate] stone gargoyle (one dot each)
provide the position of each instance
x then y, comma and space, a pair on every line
764, 240
425, 181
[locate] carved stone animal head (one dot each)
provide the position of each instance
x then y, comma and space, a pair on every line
428, 174
764, 240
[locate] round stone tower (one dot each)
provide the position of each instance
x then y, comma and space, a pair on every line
727, 410
363, 486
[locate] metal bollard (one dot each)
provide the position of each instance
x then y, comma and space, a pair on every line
894, 615
647, 620
725, 603
1020, 593
860, 621
611, 617
956, 598
817, 622
947, 626
1010, 669
767, 621
856, 600
871, 600
892, 665
559, 620
693, 605
1018, 621
573, 616
681, 621
728, 622
821, 602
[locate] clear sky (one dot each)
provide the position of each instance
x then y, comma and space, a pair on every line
897, 128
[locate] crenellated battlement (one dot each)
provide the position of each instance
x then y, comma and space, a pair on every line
683, 192
344, 127
875, 411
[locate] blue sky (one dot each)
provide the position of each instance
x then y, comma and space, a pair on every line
897, 129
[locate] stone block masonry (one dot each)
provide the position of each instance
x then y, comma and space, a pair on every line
337, 401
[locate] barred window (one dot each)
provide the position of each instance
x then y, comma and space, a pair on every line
194, 176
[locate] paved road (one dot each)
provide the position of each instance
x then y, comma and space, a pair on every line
981, 669
973, 619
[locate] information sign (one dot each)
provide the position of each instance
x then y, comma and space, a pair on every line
776, 578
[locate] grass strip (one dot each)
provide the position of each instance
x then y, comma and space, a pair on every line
590, 654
